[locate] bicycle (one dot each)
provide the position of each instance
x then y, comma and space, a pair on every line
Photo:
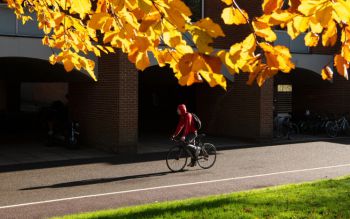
178, 155
284, 127
338, 126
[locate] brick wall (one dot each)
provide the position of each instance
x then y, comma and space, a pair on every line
127, 102
107, 109
266, 111
3, 96
243, 111
310, 91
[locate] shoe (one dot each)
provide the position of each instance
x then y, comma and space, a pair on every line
192, 164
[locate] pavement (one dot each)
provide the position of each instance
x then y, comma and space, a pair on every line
36, 152
40, 191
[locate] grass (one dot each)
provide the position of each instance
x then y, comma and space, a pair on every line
321, 199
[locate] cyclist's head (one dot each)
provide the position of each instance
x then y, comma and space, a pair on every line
181, 109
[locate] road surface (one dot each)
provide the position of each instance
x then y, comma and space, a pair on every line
41, 192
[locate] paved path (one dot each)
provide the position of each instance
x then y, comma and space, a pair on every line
44, 192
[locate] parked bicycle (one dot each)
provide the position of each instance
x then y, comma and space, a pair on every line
178, 155
340, 126
284, 127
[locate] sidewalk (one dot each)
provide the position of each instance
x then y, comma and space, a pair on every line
22, 153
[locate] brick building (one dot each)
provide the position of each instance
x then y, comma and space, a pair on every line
126, 105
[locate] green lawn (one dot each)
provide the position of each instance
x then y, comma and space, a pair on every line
321, 199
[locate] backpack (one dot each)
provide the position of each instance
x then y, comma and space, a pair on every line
197, 121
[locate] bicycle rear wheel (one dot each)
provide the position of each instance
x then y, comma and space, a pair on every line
176, 158
332, 130
207, 156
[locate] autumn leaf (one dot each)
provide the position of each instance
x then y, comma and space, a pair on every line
327, 73
272, 5
232, 15
228, 2
278, 57
342, 66
98, 20
330, 35
311, 39
82, 7
214, 30
309, 7
264, 30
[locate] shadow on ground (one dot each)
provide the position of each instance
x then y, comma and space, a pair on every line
137, 158
98, 181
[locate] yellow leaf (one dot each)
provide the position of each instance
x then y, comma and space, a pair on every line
345, 51
110, 49
324, 16
68, 65
149, 20
163, 56
248, 44
172, 38
345, 37
271, 5
311, 39
327, 73
228, 2
202, 40
236, 49
98, 20
213, 29
142, 61
309, 7
342, 10
342, 66
232, 15
184, 49
292, 31
117, 5
281, 17
101, 6
82, 7
278, 57
301, 23
229, 61
145, 5
329, 37
316, 27
180, 6
264, 30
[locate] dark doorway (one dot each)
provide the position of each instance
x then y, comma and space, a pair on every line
159, 96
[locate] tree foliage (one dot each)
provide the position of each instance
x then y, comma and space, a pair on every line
164, 28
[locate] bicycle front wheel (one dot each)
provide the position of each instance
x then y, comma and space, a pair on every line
207, 156
176, 158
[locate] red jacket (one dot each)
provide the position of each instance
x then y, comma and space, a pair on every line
186, 122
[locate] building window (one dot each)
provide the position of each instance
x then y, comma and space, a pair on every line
196, 7
284, 88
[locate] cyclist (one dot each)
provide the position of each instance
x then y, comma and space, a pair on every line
189, 132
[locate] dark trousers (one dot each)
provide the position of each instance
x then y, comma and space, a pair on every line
189, 140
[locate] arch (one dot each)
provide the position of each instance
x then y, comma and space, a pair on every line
312, 62
26, 47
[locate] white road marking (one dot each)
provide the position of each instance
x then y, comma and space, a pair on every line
175, 185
